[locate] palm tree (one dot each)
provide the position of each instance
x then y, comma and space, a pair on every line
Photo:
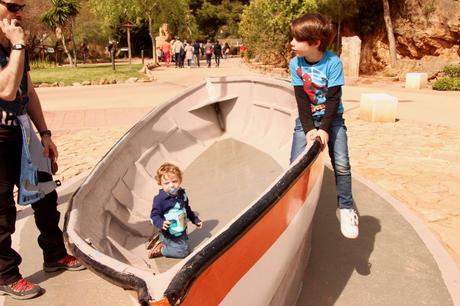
61, 15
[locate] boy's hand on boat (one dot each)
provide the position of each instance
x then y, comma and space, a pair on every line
311, 135
166, 224
324, 136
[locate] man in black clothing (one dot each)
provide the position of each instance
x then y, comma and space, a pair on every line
18, 97
217, 52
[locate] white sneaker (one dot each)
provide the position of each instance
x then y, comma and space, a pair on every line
348, 222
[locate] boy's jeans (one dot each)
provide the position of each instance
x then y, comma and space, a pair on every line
177, 248
338, 151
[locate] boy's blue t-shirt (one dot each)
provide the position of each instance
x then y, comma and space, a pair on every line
317, 78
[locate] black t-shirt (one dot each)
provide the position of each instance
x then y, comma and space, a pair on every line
9, 126
218, 49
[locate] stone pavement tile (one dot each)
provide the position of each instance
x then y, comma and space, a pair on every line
93, 119
413, 162
80, 150
73, 119
55, 120
96, 118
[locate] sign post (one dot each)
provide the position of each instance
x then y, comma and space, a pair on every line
128, 25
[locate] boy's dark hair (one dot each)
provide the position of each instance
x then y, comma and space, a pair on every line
312, 27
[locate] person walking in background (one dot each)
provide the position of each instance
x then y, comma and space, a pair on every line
208, 53
18, 103
217, 52
84, 50
159, 53
227, 51
243, 50
177, 48
196, 52
189, 50
317, 77
173, 55
166, 52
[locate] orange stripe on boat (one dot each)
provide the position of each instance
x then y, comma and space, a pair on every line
214, 283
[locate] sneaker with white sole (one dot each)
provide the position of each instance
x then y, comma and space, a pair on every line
21, 289
67, 262
348, 222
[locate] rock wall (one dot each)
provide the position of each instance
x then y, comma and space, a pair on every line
427, 36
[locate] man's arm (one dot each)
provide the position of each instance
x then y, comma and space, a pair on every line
11, 74
34, 109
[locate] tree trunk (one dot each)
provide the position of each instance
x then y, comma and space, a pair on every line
339, 24
60, 35
154, 48
74, 52
390, 34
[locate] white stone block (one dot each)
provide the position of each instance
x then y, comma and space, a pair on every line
350, 56
378, 107
416, 80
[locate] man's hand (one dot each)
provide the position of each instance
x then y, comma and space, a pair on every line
49, 148
199, 225
13, 31
324, 136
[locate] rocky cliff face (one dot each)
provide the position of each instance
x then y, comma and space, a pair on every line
427, 36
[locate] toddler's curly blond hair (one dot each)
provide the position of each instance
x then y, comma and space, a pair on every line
165, 169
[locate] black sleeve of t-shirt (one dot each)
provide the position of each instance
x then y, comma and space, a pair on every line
332, 105
303, 105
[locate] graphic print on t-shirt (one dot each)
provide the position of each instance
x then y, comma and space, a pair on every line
315, 86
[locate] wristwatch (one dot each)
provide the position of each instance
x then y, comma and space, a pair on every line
45, 132
18, 46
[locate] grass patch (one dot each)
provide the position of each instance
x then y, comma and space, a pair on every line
88, 72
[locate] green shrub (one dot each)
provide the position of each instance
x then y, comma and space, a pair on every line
452, 70
447, 83
264, 27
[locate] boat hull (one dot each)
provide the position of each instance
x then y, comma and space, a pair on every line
265, 265
232, 138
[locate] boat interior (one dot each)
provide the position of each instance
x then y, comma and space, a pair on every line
230, 136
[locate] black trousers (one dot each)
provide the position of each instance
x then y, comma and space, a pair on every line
46, 216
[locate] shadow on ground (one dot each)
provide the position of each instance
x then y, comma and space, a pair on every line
387, 265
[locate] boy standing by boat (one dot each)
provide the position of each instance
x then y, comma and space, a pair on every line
170, 211
317, 77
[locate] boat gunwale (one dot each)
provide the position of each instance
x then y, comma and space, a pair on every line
131, 281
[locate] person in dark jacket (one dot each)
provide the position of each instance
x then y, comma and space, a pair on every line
217, 52
170, 211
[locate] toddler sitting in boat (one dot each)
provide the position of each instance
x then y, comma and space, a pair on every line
170, 211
